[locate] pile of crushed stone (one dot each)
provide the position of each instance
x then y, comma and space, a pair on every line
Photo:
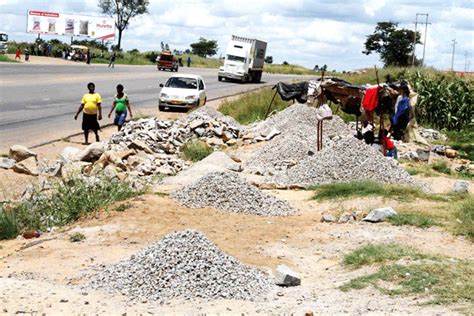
183, 265
230, 193
346, 160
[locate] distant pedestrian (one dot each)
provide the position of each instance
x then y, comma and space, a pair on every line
88, 57
27, 54
188, 61
18, 53
91, 104
121, 104
180, 61
112, 60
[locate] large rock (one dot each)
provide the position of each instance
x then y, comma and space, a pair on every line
70, 153
284, 276
461, 186
6, 163
379, 214
27, 166
328, 218
423, 155
91, 153
19, 153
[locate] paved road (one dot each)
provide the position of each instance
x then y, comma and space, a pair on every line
39, 100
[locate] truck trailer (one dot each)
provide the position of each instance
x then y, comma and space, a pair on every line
3, 43
244, 59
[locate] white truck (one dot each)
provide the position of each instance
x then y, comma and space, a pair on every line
244, 59
3, 42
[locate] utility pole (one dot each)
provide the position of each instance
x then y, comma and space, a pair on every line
454, 49
466, 54
424, 41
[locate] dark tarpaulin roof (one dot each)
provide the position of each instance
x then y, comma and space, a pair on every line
293, 91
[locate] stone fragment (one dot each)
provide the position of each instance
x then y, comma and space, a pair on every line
461, 186
328, 218
226, 136
284, 276
200, 131
7, 163
347, 217
451, 153
379, 214
91, 153
214, 141
232, 142
140, 145
70, 153
195, 124
423, 155
27, 166
274, 132
19, 153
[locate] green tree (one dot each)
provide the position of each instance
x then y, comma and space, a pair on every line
395, 46
124, 10
269, 60
204, 47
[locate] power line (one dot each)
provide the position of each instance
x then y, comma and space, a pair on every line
414, 37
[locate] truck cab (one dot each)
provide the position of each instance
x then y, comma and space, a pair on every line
3, 42
166, 60
244, 59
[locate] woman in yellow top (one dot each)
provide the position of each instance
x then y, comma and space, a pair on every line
91, 104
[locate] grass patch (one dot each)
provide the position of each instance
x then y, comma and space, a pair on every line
8, 225
465, 218
420, 169
67, 203
123, 207
443, 282
289, 70
379, 253
196, 150
413, 219
441, 166
463, 142
7, 59
77, 237
367, 188
252, 107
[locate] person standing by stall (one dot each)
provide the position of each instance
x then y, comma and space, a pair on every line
112, 59
120, 104
91, 104
27, 54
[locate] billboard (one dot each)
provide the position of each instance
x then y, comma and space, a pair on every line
53, 23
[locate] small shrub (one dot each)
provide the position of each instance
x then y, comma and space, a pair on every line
379, 253
8, 225
413, 219
76, 237
196, 150
441, 167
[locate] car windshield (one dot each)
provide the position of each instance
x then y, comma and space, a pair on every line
166, 57
182, 83
236, 58
3, 37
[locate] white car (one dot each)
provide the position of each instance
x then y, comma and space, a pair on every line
182, 91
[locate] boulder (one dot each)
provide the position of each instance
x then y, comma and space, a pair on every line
27, 166
423, 155
379, 214
451, 153
347, 217
91, 153
70, 153
328, 218
7, 163
284, 276
19, 153
461, 186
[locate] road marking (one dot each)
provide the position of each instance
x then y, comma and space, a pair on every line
46, 99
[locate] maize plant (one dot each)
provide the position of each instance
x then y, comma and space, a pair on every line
444, 102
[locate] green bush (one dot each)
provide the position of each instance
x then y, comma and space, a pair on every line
441, 166
196, 150
66, 203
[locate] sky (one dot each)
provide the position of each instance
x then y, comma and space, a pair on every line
303, 32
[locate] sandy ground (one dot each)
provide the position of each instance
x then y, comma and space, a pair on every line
47, 277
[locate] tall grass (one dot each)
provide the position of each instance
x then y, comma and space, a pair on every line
251, 107
289, 70
7, 59
67, 203
465, 218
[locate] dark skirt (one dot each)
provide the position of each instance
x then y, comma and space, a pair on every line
89, 122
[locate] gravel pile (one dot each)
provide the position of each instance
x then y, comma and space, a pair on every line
346, 160
183, 265
296, 116
230, 193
